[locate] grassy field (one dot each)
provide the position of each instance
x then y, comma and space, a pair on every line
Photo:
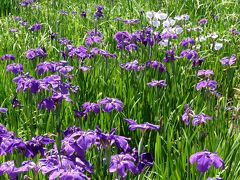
174, 142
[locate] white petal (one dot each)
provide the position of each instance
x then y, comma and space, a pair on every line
150, 14
218, 46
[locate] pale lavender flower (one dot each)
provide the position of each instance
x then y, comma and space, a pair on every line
206, 73
160, 83
229, 60
200, 119
211, 84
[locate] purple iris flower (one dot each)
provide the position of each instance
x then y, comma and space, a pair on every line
62, 167
13, 30
84, 14
37, 144
203, 21
44, 67
160, 83
15, 68
99, 12
133, 125
187, 41
133, 65
156, 65
189, 54
211, 84
34, 53
8, 57
17, 18
70, 130
85, 68
64, 41
121, 163
47, 103
3, 110
131, 47
229, 60
206, 159
169, 56
88, 107
131, 21
200, 119
36, 27
104, 140
206, 73
53, 35
109, 104
15, 102
93, 37
24, 23
169, 35
10, 168
143, 161
234, 32
187, 115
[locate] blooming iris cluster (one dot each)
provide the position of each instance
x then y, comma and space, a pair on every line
193, 56
206, 159
93, 37
99, 12
160, 83
108, 105
60, 90
189, 115
133, 65
229, 60
129, 41
8, 57
156, 65
36, 27
34, 53
62, 67
15, 68
206, 83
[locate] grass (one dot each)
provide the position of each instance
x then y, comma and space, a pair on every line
173, 144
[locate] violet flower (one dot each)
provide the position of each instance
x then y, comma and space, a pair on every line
229, 60
206, 73
200, 119
34, 53
8, 57
3, 110
133, 125
99, 12
187, 41
121, 163
15, 68
109, 104
36, 144
160, 83
187, 115
36, 27
133, 65
203, 21
156, 65
88, 107
211, 84
205, 160
105, 140
10, 168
